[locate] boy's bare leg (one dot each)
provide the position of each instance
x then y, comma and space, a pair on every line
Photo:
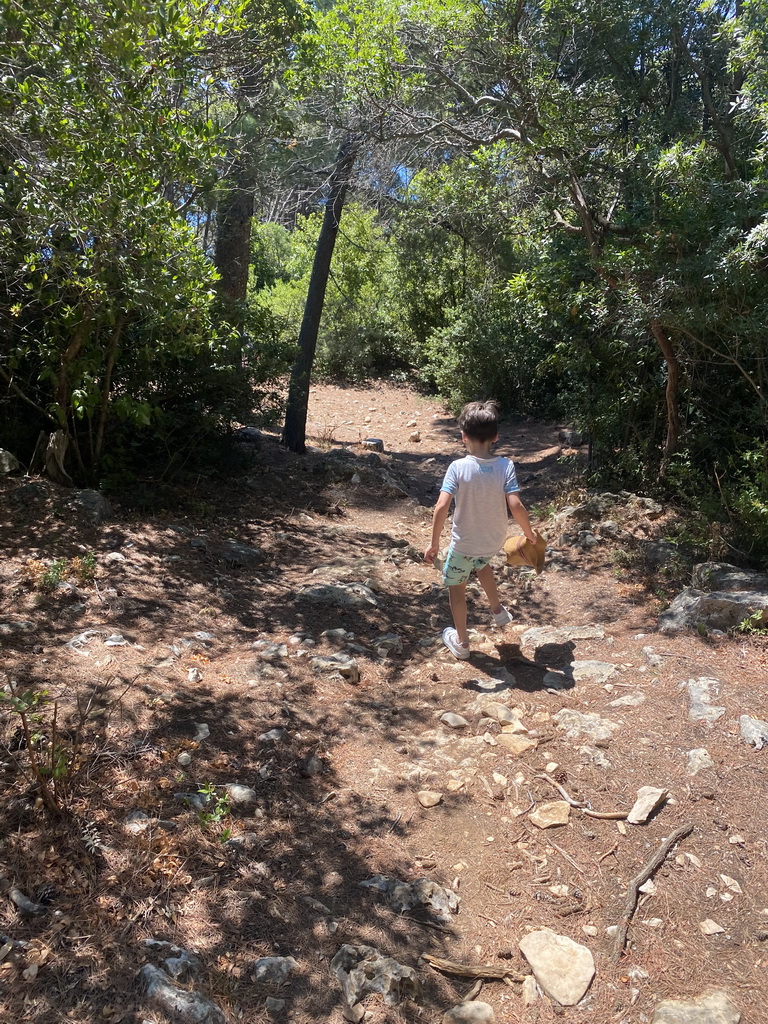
457, 596
486, 580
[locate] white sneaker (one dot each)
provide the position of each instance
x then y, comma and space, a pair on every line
502, 618
451, 641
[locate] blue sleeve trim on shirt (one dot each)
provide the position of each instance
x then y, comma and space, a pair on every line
511, 485
450, 484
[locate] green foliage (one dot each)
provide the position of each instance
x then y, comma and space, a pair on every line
360, 334
622, 227
47, 576
586, 236
746, 496
106, 139
754, 624
217, 808
49, 760
270, 255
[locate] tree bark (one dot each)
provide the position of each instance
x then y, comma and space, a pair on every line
295, 428
232, 254
63, 396
723, 141
106, 390
672, 440
55, 453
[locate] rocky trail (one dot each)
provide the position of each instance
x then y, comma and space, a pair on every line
280, 798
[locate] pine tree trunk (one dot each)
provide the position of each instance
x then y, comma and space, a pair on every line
232, 252
295, 429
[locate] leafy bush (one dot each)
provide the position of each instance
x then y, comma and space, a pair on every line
46, 576
747, 502
361, 334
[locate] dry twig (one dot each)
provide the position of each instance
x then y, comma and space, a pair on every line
608, 815
567, 856
500, 973
608, 853
642, 876
568, 799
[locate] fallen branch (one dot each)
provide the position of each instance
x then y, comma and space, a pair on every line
643, 875
607, 815
500, 973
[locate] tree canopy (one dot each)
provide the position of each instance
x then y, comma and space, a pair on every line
558, 203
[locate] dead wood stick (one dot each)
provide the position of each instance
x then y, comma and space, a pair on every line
568, 857
568, 799
605, 815
500, 973
611, 815
608, 853
473, 992
504, 892
642, 876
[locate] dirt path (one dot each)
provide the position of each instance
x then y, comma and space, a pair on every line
212, 682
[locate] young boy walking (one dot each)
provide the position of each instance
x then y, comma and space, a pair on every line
485, 488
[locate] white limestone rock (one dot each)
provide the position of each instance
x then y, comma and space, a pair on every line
454, 721
564, 969
699, 760
593, 671
576, 724
473, 1012
754, 731
648, 799
429, 798
551, 814
701, 691
710, 1008
500, 713
515, 744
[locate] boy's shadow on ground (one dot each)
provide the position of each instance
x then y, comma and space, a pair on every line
550, 669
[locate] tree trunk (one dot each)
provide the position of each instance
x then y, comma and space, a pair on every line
106, 391
62, 395
295, 429
232, 251
232, 254
673, 377
55, 453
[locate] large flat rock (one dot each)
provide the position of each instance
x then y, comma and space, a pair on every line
709, 576
723, 610
563, 968
710, 1008
541, 636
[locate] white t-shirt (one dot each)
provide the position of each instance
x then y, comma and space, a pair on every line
480, 488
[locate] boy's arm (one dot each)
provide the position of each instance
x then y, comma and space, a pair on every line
439, 516
520, 515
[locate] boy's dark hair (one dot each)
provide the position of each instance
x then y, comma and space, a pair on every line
480, 420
